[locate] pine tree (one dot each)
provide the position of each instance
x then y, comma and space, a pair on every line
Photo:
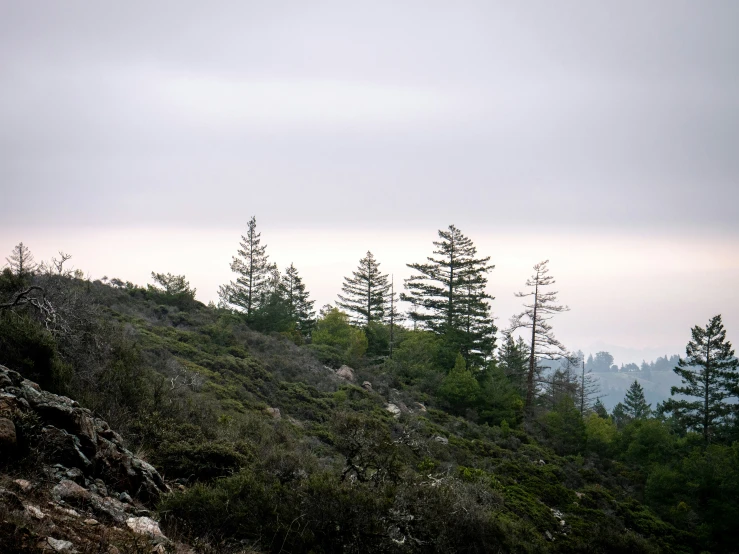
254, 272
449, 297
600, 409
365, 294
635, 405
620, 418
536, 317
513, 358
21, 261
709, 372
301, 308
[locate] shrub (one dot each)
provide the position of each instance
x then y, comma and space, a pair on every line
202, 462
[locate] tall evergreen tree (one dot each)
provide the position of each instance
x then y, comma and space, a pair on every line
301, 307
448, 296
365, 293
21, 261
536, 318
710, 373
635, 405
254, 272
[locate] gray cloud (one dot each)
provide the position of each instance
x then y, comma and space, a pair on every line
408, 113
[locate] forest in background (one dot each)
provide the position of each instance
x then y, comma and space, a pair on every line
245, 404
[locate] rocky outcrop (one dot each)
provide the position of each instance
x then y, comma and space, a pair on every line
72, 437
84, 489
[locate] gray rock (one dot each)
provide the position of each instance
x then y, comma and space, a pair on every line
367, 386
346, 373
440, 439
23, 485
57, 545
393, 409
274, 413
64, 448
35, 512
146, 526
69, 491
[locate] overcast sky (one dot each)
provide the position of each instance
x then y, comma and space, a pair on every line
602, 135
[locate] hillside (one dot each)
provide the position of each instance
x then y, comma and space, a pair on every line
266, 448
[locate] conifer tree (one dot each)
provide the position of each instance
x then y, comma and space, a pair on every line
600, 409
21, 261
710, 373
536, 318
620, 418
513, 358
254, 272
635, 405
365, 293
301, 308
448, 297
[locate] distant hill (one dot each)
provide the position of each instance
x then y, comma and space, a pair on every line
656, 384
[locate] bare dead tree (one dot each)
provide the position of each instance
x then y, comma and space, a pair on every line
56, 267
535, 317
35, 297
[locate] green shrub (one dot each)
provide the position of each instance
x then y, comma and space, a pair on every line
201, 462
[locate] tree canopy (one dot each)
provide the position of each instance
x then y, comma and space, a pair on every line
448, 296
710, 375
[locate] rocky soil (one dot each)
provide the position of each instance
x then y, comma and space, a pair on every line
67, 482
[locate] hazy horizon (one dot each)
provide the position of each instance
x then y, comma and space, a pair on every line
628, 310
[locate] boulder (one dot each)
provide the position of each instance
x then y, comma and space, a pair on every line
23, 485
50, 544
59, 446
367, 386
393, 409
145, 526
69, 491
346, 373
